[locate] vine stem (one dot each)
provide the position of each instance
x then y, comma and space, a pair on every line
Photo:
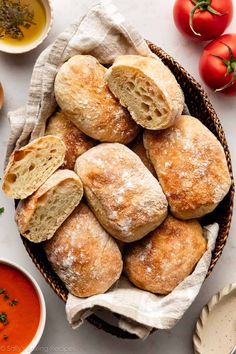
204, 5
230, 67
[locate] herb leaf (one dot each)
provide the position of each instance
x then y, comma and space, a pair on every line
14, 16
2, 291
13, 302
3, 318
1, 210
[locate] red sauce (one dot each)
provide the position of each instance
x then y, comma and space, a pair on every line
23, 315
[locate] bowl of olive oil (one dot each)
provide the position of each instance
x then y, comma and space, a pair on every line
24, 24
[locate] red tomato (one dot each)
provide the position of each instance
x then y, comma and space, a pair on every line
218, 64
210, 18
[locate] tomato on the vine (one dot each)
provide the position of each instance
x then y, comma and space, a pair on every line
203, 19
218, 64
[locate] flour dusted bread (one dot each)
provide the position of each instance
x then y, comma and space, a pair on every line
82, 93
191, 167
75, 140
147, 88
40, 215
125, 197
139, 149
30, 166
84, 255
164, 258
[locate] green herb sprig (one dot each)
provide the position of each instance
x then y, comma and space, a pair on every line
13, 303
13, 17
3, 318
3, 315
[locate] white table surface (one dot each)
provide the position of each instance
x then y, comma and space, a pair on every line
154, 20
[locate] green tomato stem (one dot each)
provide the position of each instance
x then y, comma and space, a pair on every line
196, 7
230, 67
214, 12
202, 5
229, 84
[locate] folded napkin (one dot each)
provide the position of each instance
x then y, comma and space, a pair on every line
105, 34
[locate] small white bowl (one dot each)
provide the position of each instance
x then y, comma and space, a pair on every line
215, 331
18, 49
32, 345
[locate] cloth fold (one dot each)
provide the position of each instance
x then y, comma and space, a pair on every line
105, 34
141, 311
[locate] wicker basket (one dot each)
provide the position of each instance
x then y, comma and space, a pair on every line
200, 107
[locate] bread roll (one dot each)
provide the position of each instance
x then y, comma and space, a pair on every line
40, 215
139, 149
125, 197
148, 89
75, 140
191, 167
82, 93
83, 255
30, 166
164, 258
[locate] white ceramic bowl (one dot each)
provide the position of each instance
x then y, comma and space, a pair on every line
14, 49
215, 331
32, 345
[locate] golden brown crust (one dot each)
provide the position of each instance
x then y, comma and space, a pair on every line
164, 258
139, 149
190, 165
75, 140
83, 95
83, 255
124, 195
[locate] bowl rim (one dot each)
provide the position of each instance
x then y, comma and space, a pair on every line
206, 310
11, 49
38, 334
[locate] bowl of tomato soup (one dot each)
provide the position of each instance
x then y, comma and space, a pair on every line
22, 310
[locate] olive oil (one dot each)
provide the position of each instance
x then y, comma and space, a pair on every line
35, 22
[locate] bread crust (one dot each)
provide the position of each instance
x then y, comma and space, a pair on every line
83, 95
191, 167
75, 140
139, 149
147, 88
125, 197
84, 255
27, 208
24, 174
163, 259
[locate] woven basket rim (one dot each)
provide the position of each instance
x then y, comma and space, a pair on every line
56, 286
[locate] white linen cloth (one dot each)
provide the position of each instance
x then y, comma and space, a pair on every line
141, 311
105, 34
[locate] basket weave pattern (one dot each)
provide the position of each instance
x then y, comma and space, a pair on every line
201, 108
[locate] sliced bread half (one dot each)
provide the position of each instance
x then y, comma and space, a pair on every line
40, 215
147, 88
29, 167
